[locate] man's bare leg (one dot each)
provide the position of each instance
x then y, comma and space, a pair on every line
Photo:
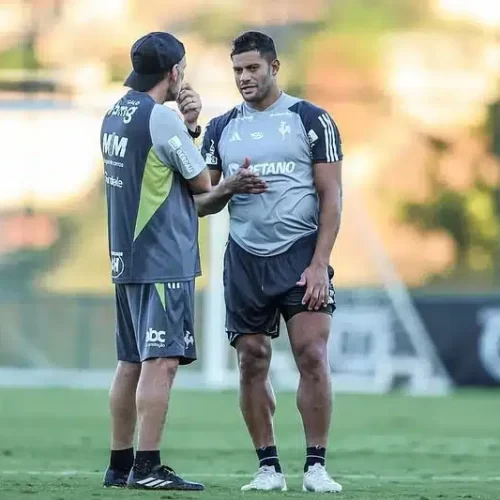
308, 332
258, 404
153, 393
122, 405
257, 401
123, 415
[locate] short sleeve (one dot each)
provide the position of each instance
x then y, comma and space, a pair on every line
322, 133
210, 148
173, 144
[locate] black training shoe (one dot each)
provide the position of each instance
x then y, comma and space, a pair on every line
161, 477
115, 478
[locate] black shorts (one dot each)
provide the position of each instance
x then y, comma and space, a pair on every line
155, 320
258, 289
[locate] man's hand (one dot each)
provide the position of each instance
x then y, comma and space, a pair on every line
244, 181
189, 103
315, 279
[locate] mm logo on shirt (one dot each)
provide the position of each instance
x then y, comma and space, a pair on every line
155, 338
114, 145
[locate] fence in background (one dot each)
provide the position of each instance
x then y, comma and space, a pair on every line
69, 340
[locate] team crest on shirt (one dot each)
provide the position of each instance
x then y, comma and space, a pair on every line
188, 338
210, 158
117, 264
284, 129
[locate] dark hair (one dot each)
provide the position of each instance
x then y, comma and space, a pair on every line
254, 40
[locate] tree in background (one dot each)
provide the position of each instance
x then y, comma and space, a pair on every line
337, 62
32, 243
344, 67
468, 213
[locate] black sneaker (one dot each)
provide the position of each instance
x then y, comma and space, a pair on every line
115, 478
161, 477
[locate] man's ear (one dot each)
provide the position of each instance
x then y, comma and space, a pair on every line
275, 67
174, 73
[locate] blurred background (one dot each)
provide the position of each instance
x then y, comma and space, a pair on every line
414, 86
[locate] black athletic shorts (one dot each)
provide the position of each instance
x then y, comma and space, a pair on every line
155, 320
258, 289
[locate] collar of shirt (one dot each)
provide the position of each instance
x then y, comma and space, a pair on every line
248, 110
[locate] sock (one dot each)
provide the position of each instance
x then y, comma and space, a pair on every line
315, 455
122, 459
146, 460
269, 456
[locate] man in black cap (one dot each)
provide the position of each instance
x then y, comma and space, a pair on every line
152, 169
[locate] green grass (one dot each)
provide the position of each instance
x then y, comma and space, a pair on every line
382, 447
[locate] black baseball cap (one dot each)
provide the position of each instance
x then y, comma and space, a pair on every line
152, 56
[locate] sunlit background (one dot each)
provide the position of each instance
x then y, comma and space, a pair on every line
414, 87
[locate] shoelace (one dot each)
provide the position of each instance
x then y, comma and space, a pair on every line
166, 468
320, 472
262, 473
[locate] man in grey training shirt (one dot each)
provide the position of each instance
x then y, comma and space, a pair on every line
285, 208
151, 169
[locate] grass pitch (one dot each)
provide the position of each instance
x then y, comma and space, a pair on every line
54, 445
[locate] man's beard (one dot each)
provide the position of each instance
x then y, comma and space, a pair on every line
171, 96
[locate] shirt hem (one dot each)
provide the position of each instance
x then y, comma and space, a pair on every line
281, 250
162, 279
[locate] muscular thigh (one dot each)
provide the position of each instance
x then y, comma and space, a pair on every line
309, 330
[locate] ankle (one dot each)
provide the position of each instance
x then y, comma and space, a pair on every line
268, 456
146, 460
315, 455
121, 460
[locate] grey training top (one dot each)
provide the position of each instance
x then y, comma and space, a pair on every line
148, 156
282, 143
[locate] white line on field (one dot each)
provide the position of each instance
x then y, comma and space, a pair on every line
354, 477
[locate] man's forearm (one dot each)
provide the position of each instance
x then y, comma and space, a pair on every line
329, 225
213, 202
